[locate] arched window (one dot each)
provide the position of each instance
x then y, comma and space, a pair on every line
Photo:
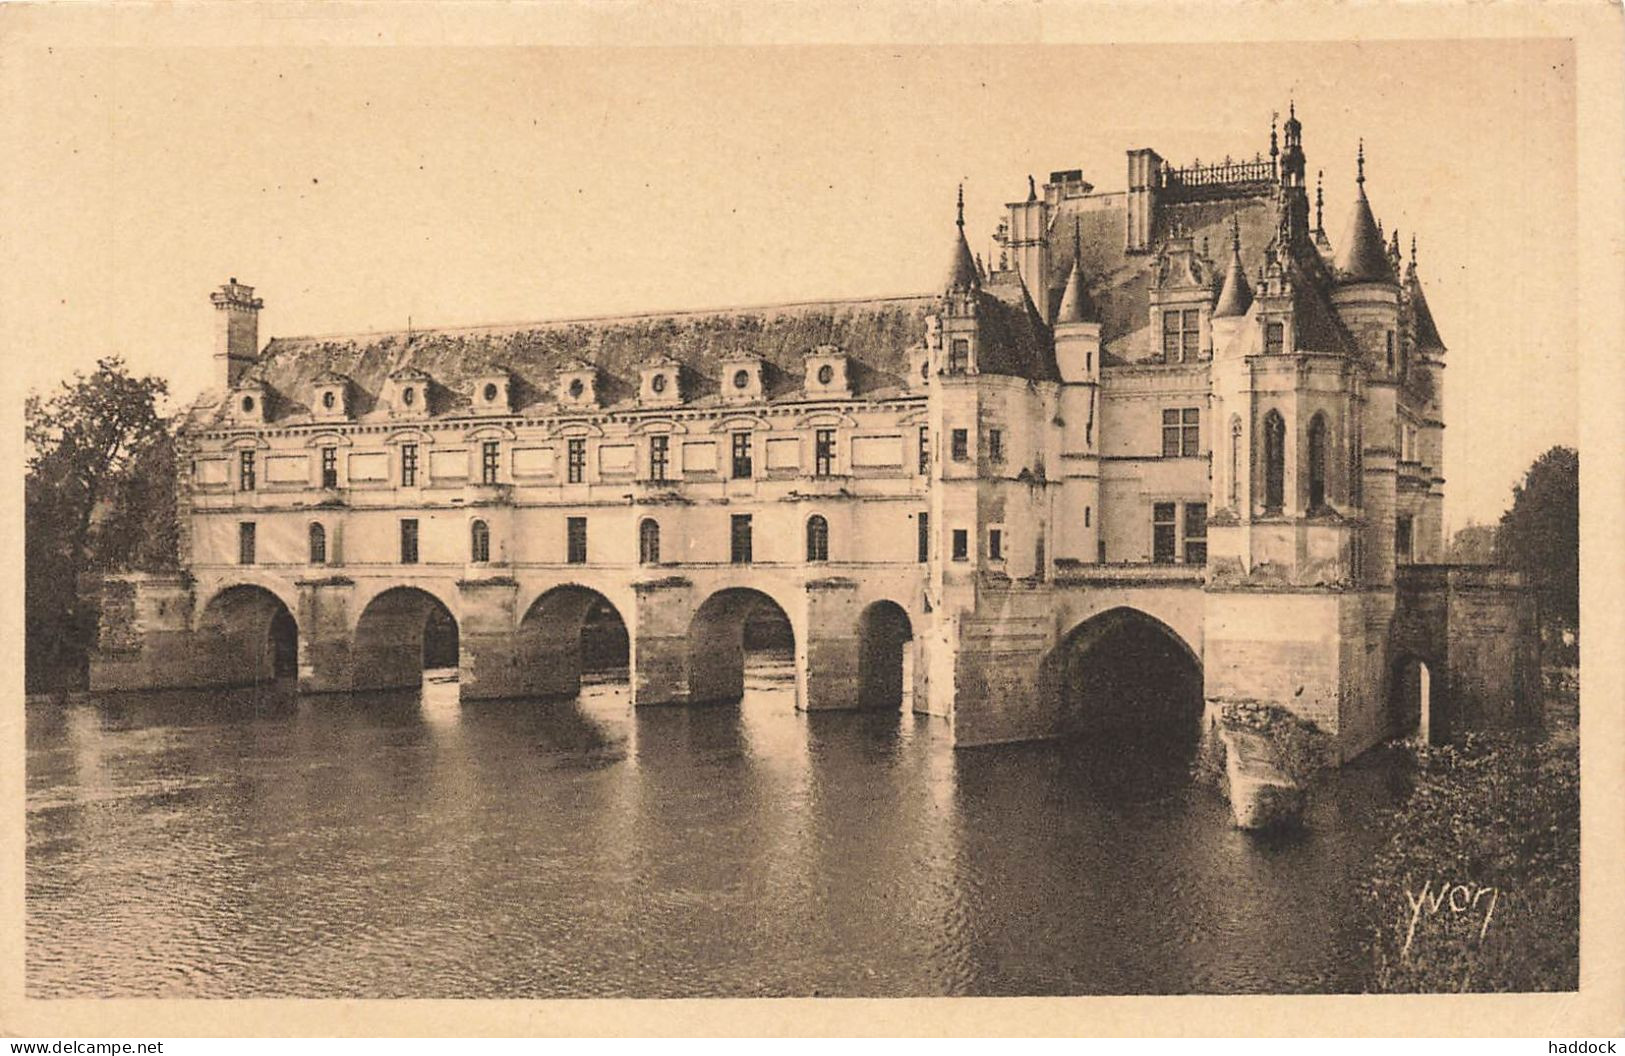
1317, 462
318, 544
817, 538
479, 541
1274, 462
649, 542
1235, 461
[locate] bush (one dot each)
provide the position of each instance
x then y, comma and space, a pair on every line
1498, 812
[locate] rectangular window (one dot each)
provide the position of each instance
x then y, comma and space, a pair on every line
824, 452
922, 537
1181, 433
1274, 338
330, 467
575, 540
245, 470
961, 545
409, 541
995, 445
1088, 513
739, 539
576, 460
1100, 551
995, 544
659, 455
490, 461
958, 356
1181, 334
1163, 532
961, 445
245, 543
1390, 336
1402, 541
743, 465
409, 465
1196, 533
925, 450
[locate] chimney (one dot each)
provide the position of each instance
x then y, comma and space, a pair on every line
236, 331
1144, 174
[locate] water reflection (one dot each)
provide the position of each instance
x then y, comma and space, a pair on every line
405, 844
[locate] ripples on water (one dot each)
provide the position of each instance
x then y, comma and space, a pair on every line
254, 843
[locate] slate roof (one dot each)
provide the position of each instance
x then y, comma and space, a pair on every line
877, 334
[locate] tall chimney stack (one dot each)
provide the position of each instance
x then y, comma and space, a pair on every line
236, 331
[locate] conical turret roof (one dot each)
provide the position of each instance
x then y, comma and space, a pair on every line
1235, 296
1076, 304
1427, 332
962, 273
1361, 255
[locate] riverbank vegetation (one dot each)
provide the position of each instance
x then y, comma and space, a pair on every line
1478, 887
99, 496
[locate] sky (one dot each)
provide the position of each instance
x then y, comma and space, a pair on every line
360, 188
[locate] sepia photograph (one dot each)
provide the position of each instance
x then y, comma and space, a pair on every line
733, 521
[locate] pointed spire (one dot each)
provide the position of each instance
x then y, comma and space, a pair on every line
1275, 149
1320, 175
1362, 255
1235, 296
962, 273
1076, 304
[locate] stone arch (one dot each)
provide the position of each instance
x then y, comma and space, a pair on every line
248, 630
567, 631
1123, 671
1415, 692
728, 625
884, 657
401, 633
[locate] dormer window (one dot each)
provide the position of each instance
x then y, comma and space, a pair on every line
1181, 335
958, 355
332, 396
741, 378
578, 384
826, 372
660, 383
411, 392
490, 392
248, 403
1274, 338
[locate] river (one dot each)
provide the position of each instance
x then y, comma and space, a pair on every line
257, 843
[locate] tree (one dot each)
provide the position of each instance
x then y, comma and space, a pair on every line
1540, 536
1473, 544
94, 448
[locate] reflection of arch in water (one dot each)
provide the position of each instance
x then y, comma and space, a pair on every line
1123, 671
403, 632
884, 655
567, 632
1413, 689
731, 627
246, 634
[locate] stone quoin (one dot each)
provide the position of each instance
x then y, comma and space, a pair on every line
1176, 423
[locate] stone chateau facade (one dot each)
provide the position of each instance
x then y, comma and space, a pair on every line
1177, 410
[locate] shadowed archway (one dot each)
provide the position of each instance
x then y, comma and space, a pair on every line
403, 633
568, 633
1413, 689
735, 629
1124, 674
884, 668
247, 635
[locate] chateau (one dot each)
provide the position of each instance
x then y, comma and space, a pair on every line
1171, 428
